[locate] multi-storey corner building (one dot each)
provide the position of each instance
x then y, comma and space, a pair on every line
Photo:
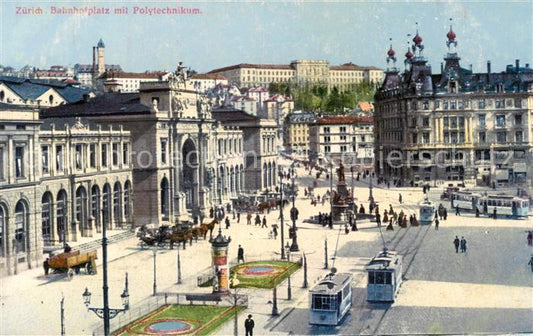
454, 127
342, 138
301, 72
127, 81
296, 133
59, 180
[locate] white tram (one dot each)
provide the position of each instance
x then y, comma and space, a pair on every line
427, 212
384, 276
465, 200
330, 299
505, 205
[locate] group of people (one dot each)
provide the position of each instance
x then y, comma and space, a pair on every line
459, 244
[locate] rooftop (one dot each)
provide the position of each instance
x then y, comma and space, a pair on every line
333, 120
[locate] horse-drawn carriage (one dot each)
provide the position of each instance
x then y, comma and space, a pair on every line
182, 232
73, 262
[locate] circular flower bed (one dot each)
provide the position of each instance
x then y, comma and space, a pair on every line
170, 327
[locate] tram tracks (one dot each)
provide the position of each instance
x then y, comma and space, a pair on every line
416, 244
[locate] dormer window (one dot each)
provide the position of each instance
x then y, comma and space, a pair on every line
453, 87
51, 99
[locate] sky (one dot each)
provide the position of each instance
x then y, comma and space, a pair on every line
224, 33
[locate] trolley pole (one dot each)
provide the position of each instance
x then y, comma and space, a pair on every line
305, 271
62, 315
154, 250
281, 214
179, 266
274, 302
326, 253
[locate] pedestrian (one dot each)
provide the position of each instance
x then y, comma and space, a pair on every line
346, 229
531, 263
391, 210
529, 238
249, 325
249, 219
445, 213
436, 223
477, 212
385, 217
378, 219
233, 212
67, 248
238, 217
275, 231
404, 224
240, 254
457, 213
264, 222
227, 222
257, 220
494, 213
456, 243
46, 266
463, 245
400, 198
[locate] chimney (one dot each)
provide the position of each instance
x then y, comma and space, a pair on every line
471, 68
488, 67
517, 63
527, 65
441, 68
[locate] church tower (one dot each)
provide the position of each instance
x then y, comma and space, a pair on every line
100, 48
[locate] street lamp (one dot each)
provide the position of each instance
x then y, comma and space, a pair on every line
289, 293
107, 313
370, 197
280, 174
294, 213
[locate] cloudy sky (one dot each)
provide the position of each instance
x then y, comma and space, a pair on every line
231, 32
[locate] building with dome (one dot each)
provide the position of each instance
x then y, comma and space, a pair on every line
454, 127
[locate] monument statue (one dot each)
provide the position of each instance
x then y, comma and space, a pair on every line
341, 173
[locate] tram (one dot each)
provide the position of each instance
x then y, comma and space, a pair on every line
384, 276
331, 299
465, 200
427, 212
510, 206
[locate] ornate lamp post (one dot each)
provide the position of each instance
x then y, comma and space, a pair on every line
179, 266
294, 213
107, 313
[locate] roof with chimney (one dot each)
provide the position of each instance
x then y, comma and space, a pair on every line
33, 88
335, 120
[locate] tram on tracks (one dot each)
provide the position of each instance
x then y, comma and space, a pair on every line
331, 299
427, 212
510, 206
465, 200
505, 205
384, 276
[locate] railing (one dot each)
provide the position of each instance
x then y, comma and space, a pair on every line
153, 303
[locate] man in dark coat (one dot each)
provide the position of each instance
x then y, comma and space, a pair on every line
264, 222
456, 242
227, 222
249, 325
463, 245
46, 266
240, 254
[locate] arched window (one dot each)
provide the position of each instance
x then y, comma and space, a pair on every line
61, 215
3, 230
81, 208
164, 198
265, 175
117, 203
46, 215
127, 199
95, 205
21, 221
106, 205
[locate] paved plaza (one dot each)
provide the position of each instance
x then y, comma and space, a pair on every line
488, 289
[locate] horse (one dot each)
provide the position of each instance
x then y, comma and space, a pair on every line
209, 227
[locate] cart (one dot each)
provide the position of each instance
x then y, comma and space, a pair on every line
72, 262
